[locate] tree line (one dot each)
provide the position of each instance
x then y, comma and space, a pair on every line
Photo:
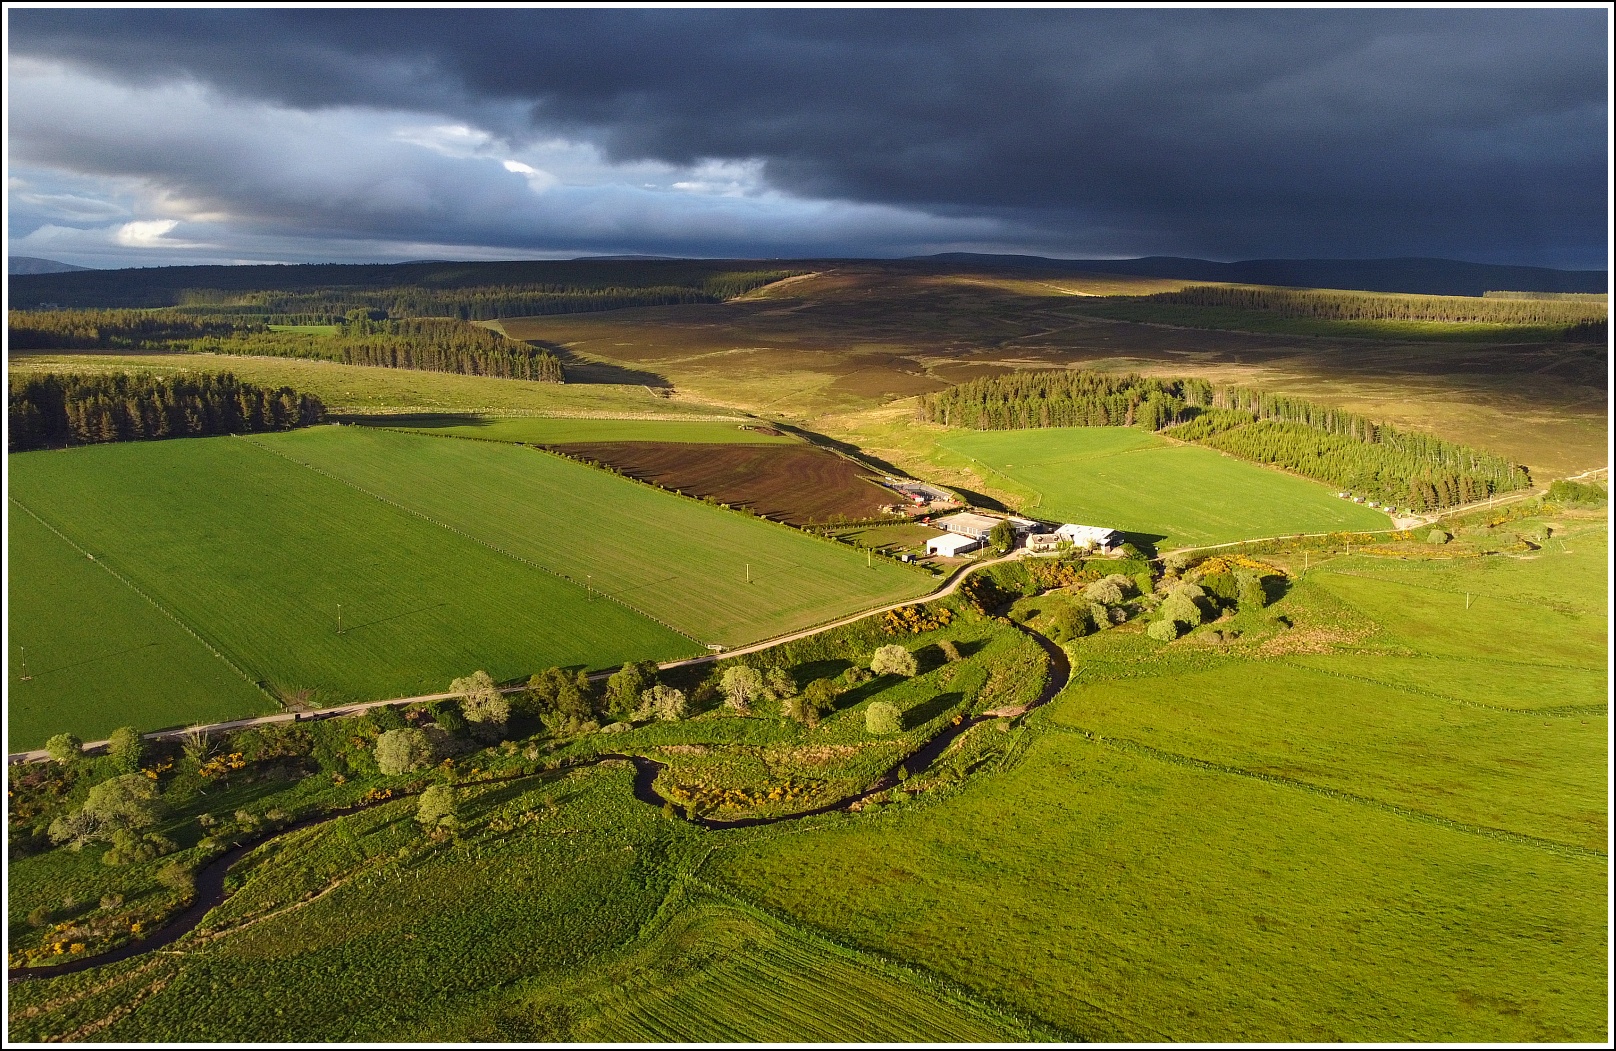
1066, 398
1386, 306
427, 344
114, 329
1343, 449
56, 409
1393, 467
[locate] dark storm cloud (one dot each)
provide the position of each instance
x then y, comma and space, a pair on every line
1478, 134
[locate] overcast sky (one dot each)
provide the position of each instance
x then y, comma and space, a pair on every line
185, 136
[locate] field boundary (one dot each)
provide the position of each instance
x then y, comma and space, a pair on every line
1123, 744
474, 539
158, 606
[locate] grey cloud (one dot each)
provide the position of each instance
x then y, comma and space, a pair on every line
1472, 133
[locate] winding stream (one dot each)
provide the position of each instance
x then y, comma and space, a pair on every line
210, 878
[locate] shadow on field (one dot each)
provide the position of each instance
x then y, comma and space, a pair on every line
826, 669
580, 370
1145, 542
923, 713
422, 420
982, 500
851, 451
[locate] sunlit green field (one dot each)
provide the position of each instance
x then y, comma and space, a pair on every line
255, 553
722, 576
87, 653
1139, 483
444, 556
1344, 830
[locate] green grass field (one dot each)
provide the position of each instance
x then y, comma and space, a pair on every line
313, 330
469, 569
99, 656
1140, 483
254, 552
679, 560
540, 430
1250, 842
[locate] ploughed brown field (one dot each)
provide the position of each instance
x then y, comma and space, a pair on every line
796, 483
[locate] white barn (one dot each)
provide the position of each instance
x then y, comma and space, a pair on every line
951, 544
1090, 537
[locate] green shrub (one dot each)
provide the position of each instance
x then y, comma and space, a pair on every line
742, 685
480, 700
178, 878
1166, 629
951, 652
893, 660
818, 698
882, 718
125, 747
1577, 494
664, 702
1437, 536
1068, 621
1222, 587
384, 718
64, 748
400, 751
1251, 592
1103, 592
437, 808
447, 718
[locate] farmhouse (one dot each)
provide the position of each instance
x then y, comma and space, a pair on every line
951, 544
1043, 543
1090, 537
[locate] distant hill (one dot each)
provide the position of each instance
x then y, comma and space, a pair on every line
1446, 277
28, 264
169, 285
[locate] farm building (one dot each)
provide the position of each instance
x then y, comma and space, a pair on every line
1043, 543
951, 544
969, 524
920, 492
1090, 537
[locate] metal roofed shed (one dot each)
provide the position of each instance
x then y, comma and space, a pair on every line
967, 523
951, 544
1090, 537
